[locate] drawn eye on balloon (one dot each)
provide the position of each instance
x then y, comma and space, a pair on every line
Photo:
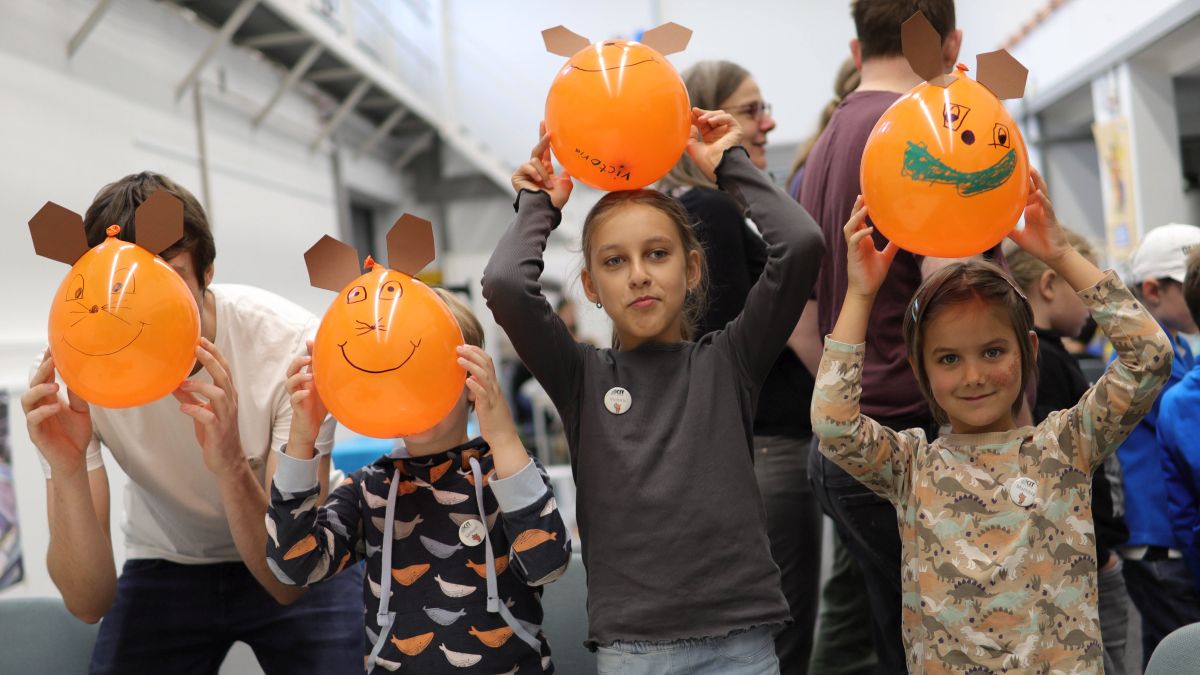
110, 350
617, 112
384, 358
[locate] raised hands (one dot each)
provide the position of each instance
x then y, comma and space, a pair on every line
538, 173
713, 132
1043, 235
495, 422
308, 410
866, 267
60, 428
213, 408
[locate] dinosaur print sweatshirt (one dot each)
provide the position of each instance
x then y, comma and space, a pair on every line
449, 595
999, 570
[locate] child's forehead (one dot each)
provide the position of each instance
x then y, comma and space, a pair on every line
634, 224
970, 321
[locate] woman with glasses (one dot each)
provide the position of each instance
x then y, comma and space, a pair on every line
736, 254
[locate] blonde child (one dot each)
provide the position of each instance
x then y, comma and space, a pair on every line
447, 592
680, 575
999, 556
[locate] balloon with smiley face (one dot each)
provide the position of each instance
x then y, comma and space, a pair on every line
123, 325
384, 361
618, 112
945, 172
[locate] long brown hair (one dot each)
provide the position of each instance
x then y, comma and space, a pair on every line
694, 301
957, 284
844, 83
709, 83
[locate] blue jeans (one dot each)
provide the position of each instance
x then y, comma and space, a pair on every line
1165, 594
172, 618
748, 653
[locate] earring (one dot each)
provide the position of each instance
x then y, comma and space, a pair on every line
599, 306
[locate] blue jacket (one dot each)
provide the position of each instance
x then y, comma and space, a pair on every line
1180, 418
1142, 467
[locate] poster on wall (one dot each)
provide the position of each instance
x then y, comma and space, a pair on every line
11, 569
1116, 176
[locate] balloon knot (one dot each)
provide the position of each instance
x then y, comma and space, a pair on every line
113, 230
963, 67
369, 263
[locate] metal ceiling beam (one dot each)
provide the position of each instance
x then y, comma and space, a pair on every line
306, 61
235, 21
334, 74
284, 39
343, 110
421, 144
383, 130
377, 102
85, 29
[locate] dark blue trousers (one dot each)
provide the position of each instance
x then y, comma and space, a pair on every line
173, 618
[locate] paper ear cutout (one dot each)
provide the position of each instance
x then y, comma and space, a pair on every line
58, 234
562, 41
158, 222
668, 38
410, 244
331, 264
1003, 74
922, 48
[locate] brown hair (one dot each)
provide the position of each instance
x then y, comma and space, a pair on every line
877, 22
1191, 284
471, 329
708, 84
694, 302
116, 202
1026, 269
844, 83
956, 284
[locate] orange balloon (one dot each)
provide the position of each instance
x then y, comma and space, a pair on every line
618, 115
124, 326
944, 172
384, 361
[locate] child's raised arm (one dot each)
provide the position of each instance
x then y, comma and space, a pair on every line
307, 543
1043, 236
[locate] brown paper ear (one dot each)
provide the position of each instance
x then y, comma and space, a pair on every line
562, 41
158, 222
410, 244
1002, 73
923, 48
668, 38
331, 264
58, 234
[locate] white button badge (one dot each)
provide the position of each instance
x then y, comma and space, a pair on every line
618, 400
1023, 491
471, 532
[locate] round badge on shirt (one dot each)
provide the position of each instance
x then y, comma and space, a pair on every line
1023, 491
618, 400
472, 532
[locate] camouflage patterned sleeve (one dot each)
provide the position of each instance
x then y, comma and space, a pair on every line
1107, 412
877, 456
307, 542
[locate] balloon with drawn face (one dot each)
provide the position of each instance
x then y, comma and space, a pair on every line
123, 325
384, 360
618, 112
945, 171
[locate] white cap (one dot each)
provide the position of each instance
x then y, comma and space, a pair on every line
1163, 252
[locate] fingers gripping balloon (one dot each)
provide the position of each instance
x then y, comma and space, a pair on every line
944, 172
384, 360
123, 326
618, 112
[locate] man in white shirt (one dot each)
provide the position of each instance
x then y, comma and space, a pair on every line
200, 465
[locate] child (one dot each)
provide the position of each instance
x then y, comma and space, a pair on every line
1057, 313
1181, 454
680, 575
999, 549
449, 593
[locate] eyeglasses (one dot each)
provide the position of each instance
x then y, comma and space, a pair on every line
755, 110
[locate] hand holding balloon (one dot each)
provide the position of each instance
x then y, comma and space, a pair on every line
213, 408
61, 429
713, 132
538, 174
308, 410
1043, 235
866, 266
495, 422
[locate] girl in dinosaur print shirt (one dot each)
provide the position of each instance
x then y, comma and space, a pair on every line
999, 564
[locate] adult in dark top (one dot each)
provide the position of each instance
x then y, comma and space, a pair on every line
736, 255
866, 522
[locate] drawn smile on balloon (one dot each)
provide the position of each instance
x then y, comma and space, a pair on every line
921, 166
141, 326
342, 346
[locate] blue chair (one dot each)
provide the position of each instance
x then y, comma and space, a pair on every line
351, 455
564, 603
41, 636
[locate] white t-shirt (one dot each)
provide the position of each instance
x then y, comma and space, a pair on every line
173, 507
